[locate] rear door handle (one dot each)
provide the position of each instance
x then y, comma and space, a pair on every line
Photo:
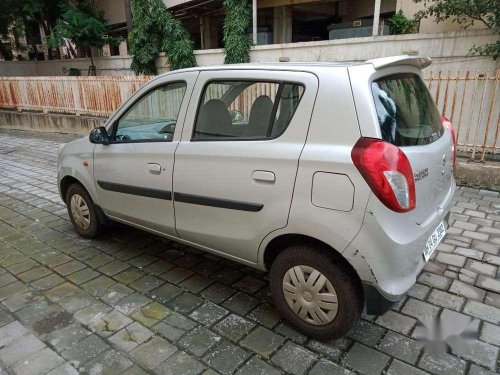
154, 168
263, 176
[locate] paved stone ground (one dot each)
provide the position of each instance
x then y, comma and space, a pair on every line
132, 303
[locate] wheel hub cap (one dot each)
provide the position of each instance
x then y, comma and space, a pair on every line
310, 295
80, 211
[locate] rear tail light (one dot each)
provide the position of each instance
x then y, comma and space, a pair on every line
387, 171
448, 125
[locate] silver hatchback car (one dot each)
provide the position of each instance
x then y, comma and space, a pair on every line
337, 178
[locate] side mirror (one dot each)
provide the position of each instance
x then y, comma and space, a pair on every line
99, 136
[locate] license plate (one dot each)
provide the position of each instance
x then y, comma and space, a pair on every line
434, 240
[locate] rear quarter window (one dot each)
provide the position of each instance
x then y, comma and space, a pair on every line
406, 112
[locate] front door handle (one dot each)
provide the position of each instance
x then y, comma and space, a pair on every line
154, 168
263, 176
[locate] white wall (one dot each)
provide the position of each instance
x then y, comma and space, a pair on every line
448, 51
429, 25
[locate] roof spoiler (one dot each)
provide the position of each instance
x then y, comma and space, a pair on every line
420, 62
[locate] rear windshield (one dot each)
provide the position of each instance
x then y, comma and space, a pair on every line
406, 112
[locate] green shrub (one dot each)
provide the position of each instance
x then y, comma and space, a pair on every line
400, 24
237, 43
155, 31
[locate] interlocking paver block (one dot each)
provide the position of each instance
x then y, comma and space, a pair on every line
39, 363
64, 369
479, 352
266, 315
399, 368
153, 352
64, 337
20, 348
168, 331
217, 292
333, 349
396, 322
234, 327
400, 347
208, 314
110, 324
199, 341
482, 311
110, 362
435, 281
85, 350
446, 300
131, 336
12, 288
442, 364
180, 363
10, 332
420, 310
130, 304
146, 283
240, 303
366, 333
262, 341
151, 314
468, 291
59, 292
196, 283
294, 359
165, 293
58, 271
226, 357
185, 303
326, 367
366, 360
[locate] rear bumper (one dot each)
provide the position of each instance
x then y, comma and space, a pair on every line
388, 253
376, 302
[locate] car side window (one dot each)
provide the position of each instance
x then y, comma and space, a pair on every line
246, 110
153, 117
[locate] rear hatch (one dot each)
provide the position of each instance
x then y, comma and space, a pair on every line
408, 118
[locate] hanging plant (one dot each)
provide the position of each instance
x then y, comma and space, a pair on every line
237, 43
156, 31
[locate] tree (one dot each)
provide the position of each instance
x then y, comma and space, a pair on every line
85, 26
45, 12
9, 14
237, 42
400, 24
154, 31
466, 13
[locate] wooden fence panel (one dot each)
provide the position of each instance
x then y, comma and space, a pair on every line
470, 100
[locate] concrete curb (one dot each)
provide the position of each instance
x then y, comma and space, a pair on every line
478, 175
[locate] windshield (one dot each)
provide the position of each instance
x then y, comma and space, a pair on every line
406, 113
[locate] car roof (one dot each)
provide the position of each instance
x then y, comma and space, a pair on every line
418, 61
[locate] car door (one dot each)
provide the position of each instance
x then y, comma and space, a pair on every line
236, 164
133, 174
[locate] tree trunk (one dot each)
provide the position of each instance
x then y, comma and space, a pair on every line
92, 70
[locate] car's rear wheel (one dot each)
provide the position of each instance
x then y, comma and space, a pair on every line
82, 212
319, 296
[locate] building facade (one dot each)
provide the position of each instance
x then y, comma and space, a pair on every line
287, 21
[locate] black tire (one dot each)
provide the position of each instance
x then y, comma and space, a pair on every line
95, 226
346, 284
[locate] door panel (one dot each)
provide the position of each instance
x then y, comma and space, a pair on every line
230, 193
133, 174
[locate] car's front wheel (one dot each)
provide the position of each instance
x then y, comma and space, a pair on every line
82, 212
319, 296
